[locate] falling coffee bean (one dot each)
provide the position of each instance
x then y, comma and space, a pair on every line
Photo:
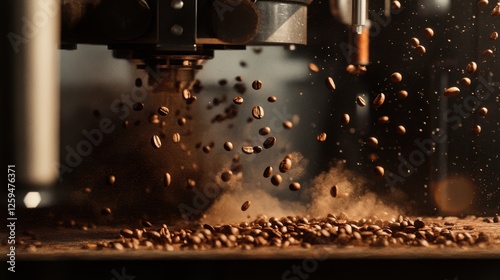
482, 3
287, 124
176, 137
383, 120
487, 53
321, 137
272, 99
379, 100
245, 205
471, 67
186, 94
226, 175
257, 84
264, 130
400, 129
238, 100
257, 149
372, 141
402, 94
313, 67
378, 171
167, 179
206, 149
493, 36
428, 32
294, 186
345, 119
155, 140
361, 101
247, 150
415, 42
334, 191
420, 50
163, 110
396, 77
258, 112
106, 211
181, 121
228, 146
268, 172
483, 111
285, 165
465, 82
138, 106
496, 10
476, 129
330, 84
276, 179
269, 142
451, 91
191, 183
395, 5
111, 180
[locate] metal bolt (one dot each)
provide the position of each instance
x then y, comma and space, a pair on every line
176, 30
177, 4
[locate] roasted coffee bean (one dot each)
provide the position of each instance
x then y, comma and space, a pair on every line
163, 110
334, 190
428, 32
258, 112
372, 141
239, 78
313, 67
111, 180
226, 175
379, 171
395, 5
181, 121
294, 186
272, 99
222, 82
287, 124
106, 211
487, 53
238, 100
206, 149
228, 146
257, 149
257, 84
269, 142
191, 183
415, 42
247, 150
285, 165
138, 82
127, 233
483, 111
402, 94
471, 67
186, 94
345, 119
138, 106
379, 100
482, 3
361, 101
383, 120
493, 36
496, 10
476, 129
396, 77
154, 119
465, 82
191, 100
146, 224
321, 137
268, 172
400, 129
245, 205
264, 130
276, 179
420, 50
176, 137
451, 91
167, 179
330, 84
356, 70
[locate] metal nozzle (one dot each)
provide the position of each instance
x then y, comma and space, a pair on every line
358, 15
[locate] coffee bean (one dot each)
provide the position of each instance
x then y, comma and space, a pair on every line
264, 131
181, 121
176, 137
476, 129
313, 67
451, 91
222, 82
138, 82
257, 84
345, 119
400, 129
379, 100
465, 82
276, 179
238, 100
146, 223
154, 119
245, 205
361, 101
482, 3
383, 120
268, 172
257, 149
206, 149
226, 175
471, 67
167, 179
287, 124
294, 186
483, 111
487, 53
395, 5
372, 141
330, 84
239, 78
138, 106
428, 32
247, 150
420, 50
163, 110
191, 183
334, 190
105, 211
186, 94
272, 99
396, 77
111, 180
493, 36
191, 100
127, 233
269, 142
321, 137
285, 165
379, 171
258, 112
228, 146
496, 10
402, 94
415, 42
